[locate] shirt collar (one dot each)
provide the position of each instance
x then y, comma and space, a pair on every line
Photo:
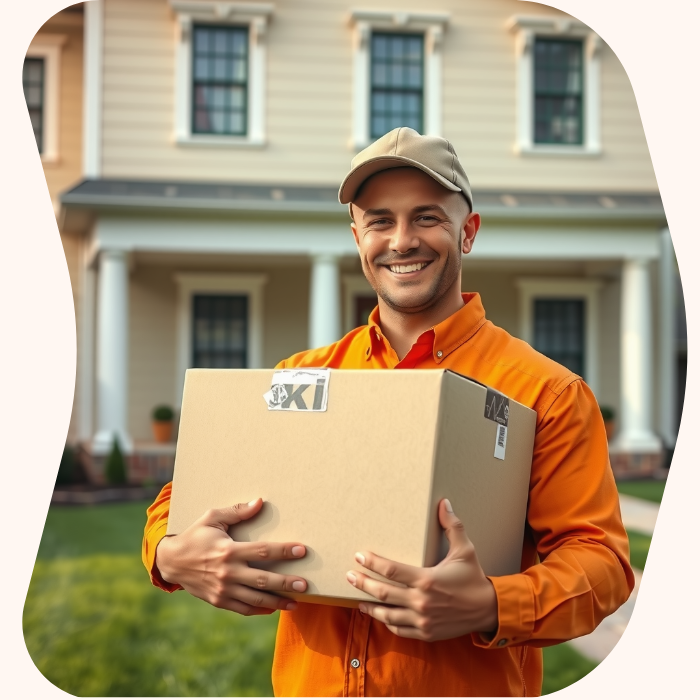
449, 334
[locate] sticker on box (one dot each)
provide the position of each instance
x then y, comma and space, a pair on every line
497, 407
499, 451
298, 390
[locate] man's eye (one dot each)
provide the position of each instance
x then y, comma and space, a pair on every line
379, 222
427, 217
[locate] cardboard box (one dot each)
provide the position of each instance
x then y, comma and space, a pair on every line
350, 460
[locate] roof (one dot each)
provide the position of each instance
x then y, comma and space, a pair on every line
162, 195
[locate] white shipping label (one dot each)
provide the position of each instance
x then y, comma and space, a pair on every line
501, 437
298, 390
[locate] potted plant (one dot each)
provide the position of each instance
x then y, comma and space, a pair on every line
609, 421
163, 423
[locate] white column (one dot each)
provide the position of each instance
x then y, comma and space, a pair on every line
93, 31
637, 376
668, 421
112, 350
324, 301
86, 364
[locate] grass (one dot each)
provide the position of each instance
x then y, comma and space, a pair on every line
639, 548
94, 625
648, 489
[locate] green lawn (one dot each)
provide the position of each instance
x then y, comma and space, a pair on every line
95, 626
648, 489
639, 548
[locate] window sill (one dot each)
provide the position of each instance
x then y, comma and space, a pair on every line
557, 150
205, 140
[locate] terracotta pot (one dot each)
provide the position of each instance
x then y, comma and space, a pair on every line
609, 429
163, 430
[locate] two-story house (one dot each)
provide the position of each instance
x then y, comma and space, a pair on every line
200, 146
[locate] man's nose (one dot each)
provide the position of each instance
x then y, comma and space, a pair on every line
403, 238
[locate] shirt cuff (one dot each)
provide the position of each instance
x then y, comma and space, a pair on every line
152, 541
516, 612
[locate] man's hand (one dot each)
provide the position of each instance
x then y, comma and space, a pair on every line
445, 601
207, 563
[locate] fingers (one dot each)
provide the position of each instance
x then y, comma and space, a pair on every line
454, 529
392, 570
384, 592
399, 621
268, 581
223, 517
241, 608
260, 599
266, 551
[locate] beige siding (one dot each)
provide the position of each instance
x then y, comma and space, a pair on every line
68, 169
309, 101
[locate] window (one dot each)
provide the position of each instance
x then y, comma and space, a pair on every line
220, 331
397, 82
397, 73
558, 91
219, 322
560, 318
41, 75
558, 77
220, 80
220, 73
33, 84
559, 329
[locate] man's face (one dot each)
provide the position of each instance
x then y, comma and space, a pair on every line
411, 233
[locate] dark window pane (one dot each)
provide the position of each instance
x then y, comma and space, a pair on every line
33, 84
220, 331
559, 331
558, 77
220, 80
397, 82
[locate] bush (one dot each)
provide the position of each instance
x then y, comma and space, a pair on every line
163, 413
115, 467
608, 413
67, 468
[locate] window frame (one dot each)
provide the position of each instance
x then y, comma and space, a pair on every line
48, 48
190, 284
255, 16
432, 25
531, 288
526, 30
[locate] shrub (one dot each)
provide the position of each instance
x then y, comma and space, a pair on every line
608, 412
115, 467
163, 413
67, 468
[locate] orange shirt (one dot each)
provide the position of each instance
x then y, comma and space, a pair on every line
575, 568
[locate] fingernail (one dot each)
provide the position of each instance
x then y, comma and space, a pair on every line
363, 608
299, 586
291, 606
448, 506
360, 558
298, 551
252, 503
352, 578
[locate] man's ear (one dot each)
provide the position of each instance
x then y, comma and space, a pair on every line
470, 229
355, 235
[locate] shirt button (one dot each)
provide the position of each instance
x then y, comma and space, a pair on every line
501, 642
439, 353
355, 663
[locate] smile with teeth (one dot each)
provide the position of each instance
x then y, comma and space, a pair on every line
401, 269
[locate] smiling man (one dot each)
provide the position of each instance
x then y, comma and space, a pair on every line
448, 629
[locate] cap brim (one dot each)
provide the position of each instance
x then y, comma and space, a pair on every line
351, 184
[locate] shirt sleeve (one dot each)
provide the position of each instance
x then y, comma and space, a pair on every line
574, 533
156, 524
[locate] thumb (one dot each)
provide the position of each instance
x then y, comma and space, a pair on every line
454, 529
223, 517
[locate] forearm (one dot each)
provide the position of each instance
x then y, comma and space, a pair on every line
154, 532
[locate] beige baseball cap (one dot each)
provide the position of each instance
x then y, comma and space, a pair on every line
404, 147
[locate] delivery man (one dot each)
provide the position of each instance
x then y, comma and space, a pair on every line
448, 629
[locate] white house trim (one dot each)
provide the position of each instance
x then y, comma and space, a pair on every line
532, 288
48, 48
192, 283
354, 286
93, 33
433, 25
526, 29
256, 16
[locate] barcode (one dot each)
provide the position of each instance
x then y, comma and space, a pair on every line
501, 436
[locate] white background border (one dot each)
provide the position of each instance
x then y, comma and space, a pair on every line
656, 44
